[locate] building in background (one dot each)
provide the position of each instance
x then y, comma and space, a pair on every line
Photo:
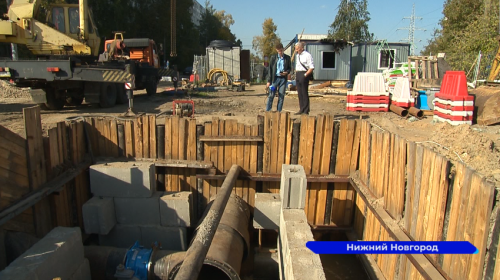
197, 11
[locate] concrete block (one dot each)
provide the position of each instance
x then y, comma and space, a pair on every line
99, 215
83, 272
138, 211
124, 236
293, 187
267, 211
175, 209
121, 236
58, 254
171, 238
123, 179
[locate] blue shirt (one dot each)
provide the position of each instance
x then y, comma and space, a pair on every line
280, 65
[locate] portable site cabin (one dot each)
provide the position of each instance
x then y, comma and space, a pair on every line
228, 57
331, 58
340, 60
377, 56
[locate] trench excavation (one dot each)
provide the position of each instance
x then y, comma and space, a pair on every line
157, 198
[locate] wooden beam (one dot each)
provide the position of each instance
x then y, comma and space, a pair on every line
421, 263
231, 138
179, 163
42, 191
270, 177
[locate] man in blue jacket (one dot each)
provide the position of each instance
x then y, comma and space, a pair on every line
279, 67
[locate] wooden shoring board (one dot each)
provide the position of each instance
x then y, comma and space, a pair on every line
360, 217
364, 151
342, 167
427, 170
128, 128
12, 142
246, 162
266, 161
217, 152
191, 155
315, 169
353, 166
182, 138
324, 169
106, 137
207, 157
410, 185
58, 200
399, 173
384, 170
372, 180
253, 167
113, 134
153, 153
100, 137
36, 167
288, 147
308, 153
83, 187
240, 148
175, 152
145, 136
284, 122
274, 151
228, 150
168, 138
94, 135
139, 151
302, 151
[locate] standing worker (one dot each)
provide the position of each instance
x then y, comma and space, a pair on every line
175, 77
279, 68
304, 70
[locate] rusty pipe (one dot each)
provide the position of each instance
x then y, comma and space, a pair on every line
398, 110
416, 112
195, 255
229, 247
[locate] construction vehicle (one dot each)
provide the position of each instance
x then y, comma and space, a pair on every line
67, 70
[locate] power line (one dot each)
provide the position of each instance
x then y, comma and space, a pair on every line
411, 30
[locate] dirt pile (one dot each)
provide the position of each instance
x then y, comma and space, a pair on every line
8, 90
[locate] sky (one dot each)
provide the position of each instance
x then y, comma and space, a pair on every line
316, 16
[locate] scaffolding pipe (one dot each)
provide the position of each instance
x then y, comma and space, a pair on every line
398, 110
195, 255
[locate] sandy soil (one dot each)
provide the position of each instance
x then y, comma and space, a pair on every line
477, 146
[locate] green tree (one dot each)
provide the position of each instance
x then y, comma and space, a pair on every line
215, 25
351, 22
467, 28
264, 44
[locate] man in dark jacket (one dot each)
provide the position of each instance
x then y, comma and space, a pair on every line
279, 67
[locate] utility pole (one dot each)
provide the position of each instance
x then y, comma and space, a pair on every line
411, 30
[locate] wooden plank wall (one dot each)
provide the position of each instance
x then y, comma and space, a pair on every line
14, 179
415, 185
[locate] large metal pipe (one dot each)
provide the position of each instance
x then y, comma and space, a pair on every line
195, 255
398, 110
229, 247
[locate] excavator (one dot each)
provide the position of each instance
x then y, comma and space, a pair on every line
67, 70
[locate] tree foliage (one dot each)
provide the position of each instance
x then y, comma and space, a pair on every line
467, 28
264, 44
351, 22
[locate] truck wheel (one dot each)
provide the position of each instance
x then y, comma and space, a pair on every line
74, 101
151, 88
43, 106
54, 101
107, 97
121, 95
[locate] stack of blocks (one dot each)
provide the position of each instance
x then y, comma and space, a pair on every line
126, 208
58, 255
452, 103
368, 93
401, 95
296, 260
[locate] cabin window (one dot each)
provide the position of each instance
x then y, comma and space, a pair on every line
58, 19
74, 20
386, 59
328, 60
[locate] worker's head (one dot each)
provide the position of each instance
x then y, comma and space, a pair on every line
279, 48
299, 47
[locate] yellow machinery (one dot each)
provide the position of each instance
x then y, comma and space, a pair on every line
222, 78
71, 31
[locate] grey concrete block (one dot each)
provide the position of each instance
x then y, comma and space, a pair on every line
267, 211
293, 187
138, 211
123, 179
121, 236
83, 272
124, 236
175, 209
99, 215
58, 254
171, 238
